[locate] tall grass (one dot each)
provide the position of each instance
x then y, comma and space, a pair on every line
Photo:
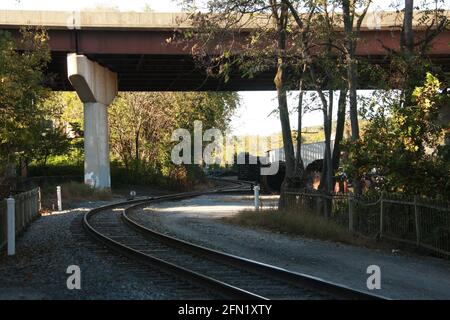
79, 191
305, 224
72, 192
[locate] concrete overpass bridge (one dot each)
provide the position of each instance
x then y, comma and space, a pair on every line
134, 46
98, 54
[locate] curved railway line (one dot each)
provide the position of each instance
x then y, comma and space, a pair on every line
230, 276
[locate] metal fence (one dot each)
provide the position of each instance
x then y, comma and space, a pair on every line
411, 220
26, 210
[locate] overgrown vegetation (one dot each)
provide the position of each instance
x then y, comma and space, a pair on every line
305, 224
27, 131
404, 144
141, 125
72, 192
41, 132
311, 45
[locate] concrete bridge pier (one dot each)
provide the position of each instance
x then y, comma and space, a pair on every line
97, 87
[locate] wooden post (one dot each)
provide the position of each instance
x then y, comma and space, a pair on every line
416, 218
350, 212
381, 213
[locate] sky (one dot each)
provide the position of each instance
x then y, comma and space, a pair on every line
254, 117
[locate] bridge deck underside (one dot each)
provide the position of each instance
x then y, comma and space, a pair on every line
177, 73
159, 73
144, 61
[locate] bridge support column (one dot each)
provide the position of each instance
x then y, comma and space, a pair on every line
97, 87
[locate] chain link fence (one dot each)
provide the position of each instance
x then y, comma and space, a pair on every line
412, 220
26, 210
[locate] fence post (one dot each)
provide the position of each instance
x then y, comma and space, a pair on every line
39, 199
256, 190
350, 212
325, 203
416, 218
21, 213
381, 213
29, 207
58, 195
11, 225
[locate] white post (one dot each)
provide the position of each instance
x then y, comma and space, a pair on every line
39, 200
11, 225
58, 195
256, 190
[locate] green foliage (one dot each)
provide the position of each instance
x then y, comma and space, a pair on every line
27, 129
141, 126
72, 192
403, 143
56, 169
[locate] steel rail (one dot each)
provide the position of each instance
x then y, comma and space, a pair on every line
292, 278
213, 284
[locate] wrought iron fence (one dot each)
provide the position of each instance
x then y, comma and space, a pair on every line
413, 220
26, 210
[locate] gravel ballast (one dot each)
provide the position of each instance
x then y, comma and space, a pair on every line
54, 242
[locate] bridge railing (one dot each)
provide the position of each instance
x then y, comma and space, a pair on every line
26, 210
406, 219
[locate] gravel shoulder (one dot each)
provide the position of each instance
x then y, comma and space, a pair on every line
403, 276
53, 242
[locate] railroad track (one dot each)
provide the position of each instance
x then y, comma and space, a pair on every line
230, 276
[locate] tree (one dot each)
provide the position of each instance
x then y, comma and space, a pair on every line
350, 14
23, 117
403, 145
339, 135
272, 37
141, 126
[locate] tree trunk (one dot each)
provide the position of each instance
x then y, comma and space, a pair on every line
407, 48
11, 172
407, 35
136, 145
280, 84
23, 168
299, 166
352, 87
348, 16
329, 171
340, 123
326, 180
